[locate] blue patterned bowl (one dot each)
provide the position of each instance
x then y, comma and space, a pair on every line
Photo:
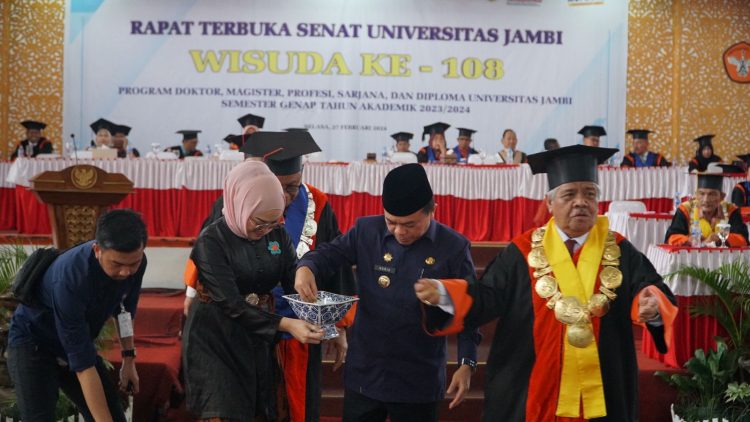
325, 312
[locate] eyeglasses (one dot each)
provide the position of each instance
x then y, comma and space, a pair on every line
266, 226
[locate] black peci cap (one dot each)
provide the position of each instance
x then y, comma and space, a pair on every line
188, 134
704, 140
434, 128
125, 130
406, 190
102, 124
711, 181
639, 133
462, 131
252, 120
576, 163
283, 151
402, 136
32, 124
587, 131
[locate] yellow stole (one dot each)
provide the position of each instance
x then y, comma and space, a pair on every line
581, 377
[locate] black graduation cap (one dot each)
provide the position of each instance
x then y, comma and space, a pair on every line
587, 131
102, 124
575, 163
251, 119
462, 131
639, 133
745, 158
283, 151
296, 129
238, 140
125, 130
188, 134
434, 128
402, 136
704, 140
730, 169
710, 181
406, 190
32, 124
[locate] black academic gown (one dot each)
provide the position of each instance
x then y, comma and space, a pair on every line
505, 292
196, 153
681, 227
43, 146
741, 194
227, 354
701, 164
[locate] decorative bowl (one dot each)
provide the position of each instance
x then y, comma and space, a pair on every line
324, 312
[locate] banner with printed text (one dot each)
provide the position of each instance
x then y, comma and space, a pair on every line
353, 72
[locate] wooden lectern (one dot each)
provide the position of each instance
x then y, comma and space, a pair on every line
76, 196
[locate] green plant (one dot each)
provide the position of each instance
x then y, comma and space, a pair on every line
714, 384
11, 259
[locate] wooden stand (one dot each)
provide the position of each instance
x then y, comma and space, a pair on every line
76, 196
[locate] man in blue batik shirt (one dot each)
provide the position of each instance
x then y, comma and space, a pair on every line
51, 345
394, 368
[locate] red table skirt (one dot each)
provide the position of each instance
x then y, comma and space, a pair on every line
690, 333
180, 212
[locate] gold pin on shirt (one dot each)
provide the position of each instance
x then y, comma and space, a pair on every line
387, 257
429, 261
384, 281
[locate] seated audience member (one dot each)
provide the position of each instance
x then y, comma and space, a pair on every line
464, 149
708, 208
403, 141
741, 191
704, 155
102, 129
550, 144
51, 344
591, 135
436, 149
120, 142
250, 123
189, 147
509, 154
35, 143
641, 156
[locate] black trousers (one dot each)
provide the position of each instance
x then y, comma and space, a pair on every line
38, 377
359, 408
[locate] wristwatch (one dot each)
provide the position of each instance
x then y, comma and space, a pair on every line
472, 364
128, 353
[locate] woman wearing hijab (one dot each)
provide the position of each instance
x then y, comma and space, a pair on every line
704, 155
230, 331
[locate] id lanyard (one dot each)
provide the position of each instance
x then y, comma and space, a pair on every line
125, 322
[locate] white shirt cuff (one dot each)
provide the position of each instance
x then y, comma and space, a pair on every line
190, 292
445, 303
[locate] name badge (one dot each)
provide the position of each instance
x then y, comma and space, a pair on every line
384, 269
126, 324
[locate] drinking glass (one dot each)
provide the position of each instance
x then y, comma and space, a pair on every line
723, 233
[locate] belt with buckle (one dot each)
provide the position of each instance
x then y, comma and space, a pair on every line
263, 301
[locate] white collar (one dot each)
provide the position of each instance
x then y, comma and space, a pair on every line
580, 240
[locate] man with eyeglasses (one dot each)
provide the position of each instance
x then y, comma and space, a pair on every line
309, 220
394, 368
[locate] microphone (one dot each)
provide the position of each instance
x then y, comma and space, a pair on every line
75, 148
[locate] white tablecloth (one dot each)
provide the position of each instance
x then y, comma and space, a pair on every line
642, 230
667, 260
466, 182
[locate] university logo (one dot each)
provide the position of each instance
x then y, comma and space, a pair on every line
737, 62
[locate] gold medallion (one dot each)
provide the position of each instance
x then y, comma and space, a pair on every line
614, 263
387, 257
546, 286
252, 299
537, 235
580, 335
569, 310
429, 261
611, 277
537, 258
611, 253
542, 272
598, 305
609, 293
384, 281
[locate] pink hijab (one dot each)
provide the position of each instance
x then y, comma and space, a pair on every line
250, 189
